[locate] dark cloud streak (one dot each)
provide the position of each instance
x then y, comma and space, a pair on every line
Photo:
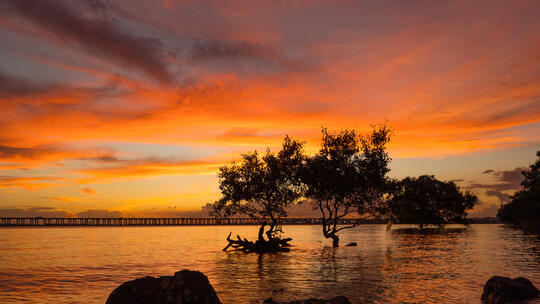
102, 159
503, 197
99, 213
7, 152
241, 55
38, 211
97, 35
11, 87
33, 212
204, 50
509, 180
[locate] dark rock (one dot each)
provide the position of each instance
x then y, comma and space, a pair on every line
501, 290
335, 300
352, 244
184, 287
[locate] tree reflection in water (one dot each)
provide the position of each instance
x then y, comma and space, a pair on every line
302, 273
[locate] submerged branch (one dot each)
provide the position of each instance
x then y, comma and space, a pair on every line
273, 245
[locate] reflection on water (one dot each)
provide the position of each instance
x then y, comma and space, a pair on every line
404, 265
415, 230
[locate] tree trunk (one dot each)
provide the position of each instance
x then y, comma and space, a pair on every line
270, 232
261, 231
331, 235
335, 240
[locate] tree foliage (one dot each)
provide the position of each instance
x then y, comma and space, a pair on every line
524, 209
428, 201
262, 186
347, 176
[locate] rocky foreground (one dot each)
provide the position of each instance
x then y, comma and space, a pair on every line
185, 287
501, 290
182, 288
193, 287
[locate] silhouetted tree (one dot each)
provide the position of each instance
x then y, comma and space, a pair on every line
428, 201
524, 209
261, 187
347, 176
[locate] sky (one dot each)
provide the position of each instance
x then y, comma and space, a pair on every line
129, 107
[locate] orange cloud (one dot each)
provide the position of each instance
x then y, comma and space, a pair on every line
29, 183
61, 198
449, 80
142, 168
88, 190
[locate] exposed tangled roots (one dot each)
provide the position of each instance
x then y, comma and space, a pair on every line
261, 246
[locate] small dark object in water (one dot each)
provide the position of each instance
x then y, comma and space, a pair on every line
184, 287
260, 246
335, 300
352, 244
501, 290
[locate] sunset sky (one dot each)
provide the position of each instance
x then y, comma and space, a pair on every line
129, 107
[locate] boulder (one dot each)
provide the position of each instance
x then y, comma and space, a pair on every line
335, 300
184, 287
501, 290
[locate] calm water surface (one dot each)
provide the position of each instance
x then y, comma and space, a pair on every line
83, 265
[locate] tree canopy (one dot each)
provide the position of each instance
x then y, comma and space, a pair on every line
347, 176
524, 209
262, 186
428, 201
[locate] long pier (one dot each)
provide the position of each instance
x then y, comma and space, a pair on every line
151, 221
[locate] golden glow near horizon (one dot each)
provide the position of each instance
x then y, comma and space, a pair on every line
132, 106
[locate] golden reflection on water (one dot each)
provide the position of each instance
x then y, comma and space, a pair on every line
82, 265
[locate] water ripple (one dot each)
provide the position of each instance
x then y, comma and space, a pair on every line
83, 265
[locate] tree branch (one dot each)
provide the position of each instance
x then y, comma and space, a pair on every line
345, 227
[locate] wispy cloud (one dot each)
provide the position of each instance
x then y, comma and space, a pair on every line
98, 36
14, 153
29, 183
99, 213
508, 181
88, 190
35, 211
146, 167
452, 79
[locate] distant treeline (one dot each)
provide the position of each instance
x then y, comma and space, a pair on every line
524, 209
